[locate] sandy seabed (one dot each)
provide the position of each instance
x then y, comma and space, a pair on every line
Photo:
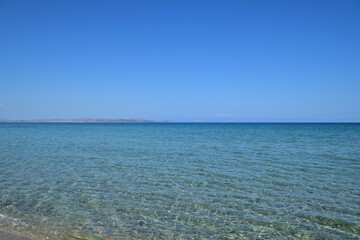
9, 236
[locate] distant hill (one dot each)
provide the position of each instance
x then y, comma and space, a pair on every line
83, 120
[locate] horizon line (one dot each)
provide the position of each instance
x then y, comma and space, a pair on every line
175, 122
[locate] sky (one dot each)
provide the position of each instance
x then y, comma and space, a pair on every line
212, 61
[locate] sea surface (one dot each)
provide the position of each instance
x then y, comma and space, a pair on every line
180, 181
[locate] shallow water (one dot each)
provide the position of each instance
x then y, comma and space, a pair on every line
180, 181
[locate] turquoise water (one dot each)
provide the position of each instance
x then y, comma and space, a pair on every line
180, 181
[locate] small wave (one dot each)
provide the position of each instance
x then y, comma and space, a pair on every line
11, 220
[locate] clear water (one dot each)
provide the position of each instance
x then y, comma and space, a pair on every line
180, 181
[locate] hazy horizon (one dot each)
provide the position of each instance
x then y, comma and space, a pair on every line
166, 121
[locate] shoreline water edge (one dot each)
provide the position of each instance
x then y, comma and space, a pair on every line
11, 236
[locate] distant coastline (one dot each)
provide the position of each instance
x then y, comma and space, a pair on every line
83, 120
120, 120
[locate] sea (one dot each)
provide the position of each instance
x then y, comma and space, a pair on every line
180, 180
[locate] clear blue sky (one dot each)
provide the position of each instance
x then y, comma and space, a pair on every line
181, 60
